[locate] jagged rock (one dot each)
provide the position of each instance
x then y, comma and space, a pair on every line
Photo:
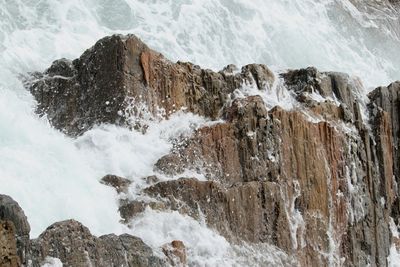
320, 189
10, 211
218, 150
8, 245
119, 73
119, 183
74, 245
386, 100
176, 253
331, 199
330, 85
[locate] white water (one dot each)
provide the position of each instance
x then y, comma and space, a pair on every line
54, 177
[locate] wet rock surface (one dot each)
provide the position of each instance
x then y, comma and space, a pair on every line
176, 253
119, 74
69, 241
74, 245
119, 183
318, 181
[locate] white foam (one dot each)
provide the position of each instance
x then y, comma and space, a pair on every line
52, 262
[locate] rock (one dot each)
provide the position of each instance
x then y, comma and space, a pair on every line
315, 181
324, 177
11, 212
152, 179
127, 250
226, 209
386, 100
128, 209
8, 245
74, 245
176, 253
330, 85
120, 184
114, 78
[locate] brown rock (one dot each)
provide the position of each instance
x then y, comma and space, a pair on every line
176, 253
327, 180
249, 212
322, 191
8, 245
120, 184
385, 100
112, 80
129, 209
331, 85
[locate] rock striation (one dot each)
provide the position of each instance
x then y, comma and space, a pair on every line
319, 181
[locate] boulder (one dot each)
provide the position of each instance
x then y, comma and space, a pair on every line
74, 245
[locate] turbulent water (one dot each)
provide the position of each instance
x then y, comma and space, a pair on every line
54, 177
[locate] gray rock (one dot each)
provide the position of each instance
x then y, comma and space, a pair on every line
74, 245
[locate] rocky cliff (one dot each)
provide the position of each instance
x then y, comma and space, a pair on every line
318, 180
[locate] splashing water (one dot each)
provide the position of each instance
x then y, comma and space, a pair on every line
54, 177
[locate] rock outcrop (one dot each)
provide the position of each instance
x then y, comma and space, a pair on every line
74, 245
120, 76
69, 241
319, 181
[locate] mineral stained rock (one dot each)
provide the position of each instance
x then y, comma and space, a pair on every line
318, 181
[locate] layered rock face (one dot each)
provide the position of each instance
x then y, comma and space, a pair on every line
318, 181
